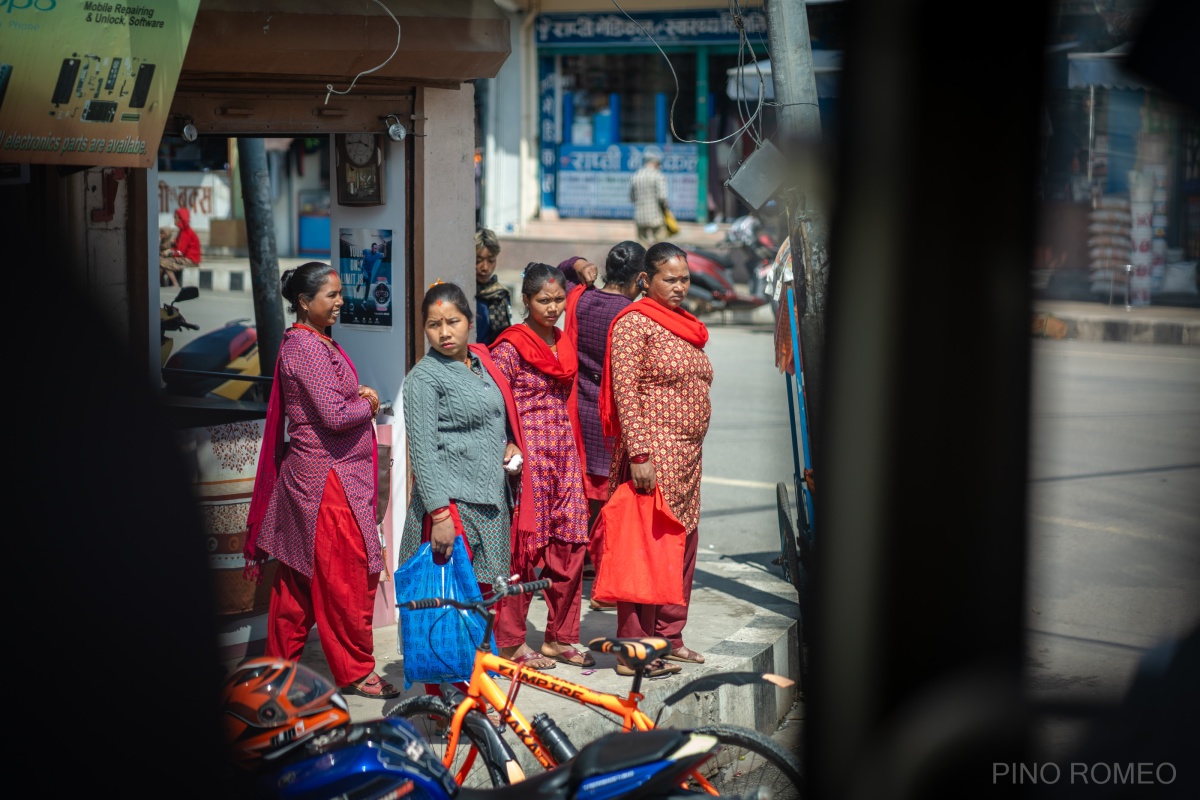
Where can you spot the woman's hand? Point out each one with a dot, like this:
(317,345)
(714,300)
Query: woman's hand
(442,535)
(511,450)
(587,273)
(371,396)
(643,476)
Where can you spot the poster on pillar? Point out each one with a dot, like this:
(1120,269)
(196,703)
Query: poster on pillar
(593,182)
(365,267)
(89,82)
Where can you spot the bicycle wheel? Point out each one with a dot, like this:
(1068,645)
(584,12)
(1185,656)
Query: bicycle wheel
(431,715)
(747,759)
(787,537)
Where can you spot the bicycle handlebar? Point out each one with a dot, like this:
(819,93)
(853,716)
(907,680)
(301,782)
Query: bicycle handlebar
(511,589)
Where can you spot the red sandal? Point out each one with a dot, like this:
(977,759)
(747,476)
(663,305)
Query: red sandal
(372,686)
(530,656)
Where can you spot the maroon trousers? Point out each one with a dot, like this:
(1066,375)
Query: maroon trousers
(638,620)
(563,565)
(339,598)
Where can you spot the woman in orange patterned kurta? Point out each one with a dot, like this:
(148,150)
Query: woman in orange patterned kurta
(658,401)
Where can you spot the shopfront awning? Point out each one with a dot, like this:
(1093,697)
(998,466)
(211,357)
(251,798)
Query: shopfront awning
(742,82)
(1105,70)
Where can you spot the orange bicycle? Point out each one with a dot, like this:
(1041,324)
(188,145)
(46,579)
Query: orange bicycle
(746,760)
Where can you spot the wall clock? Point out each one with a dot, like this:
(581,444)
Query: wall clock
(359,170)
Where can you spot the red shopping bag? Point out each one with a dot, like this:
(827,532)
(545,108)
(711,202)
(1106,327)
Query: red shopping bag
(640,546)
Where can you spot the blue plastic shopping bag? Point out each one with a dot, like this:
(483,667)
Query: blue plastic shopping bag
(438,643)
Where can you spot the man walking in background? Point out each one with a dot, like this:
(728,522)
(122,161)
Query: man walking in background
(648,193)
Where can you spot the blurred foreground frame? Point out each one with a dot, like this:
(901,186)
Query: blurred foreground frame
(917,638)
(919,576)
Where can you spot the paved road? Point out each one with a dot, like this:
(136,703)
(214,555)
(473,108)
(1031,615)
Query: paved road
(1114,503)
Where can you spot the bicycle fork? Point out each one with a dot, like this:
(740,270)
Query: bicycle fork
(497,750)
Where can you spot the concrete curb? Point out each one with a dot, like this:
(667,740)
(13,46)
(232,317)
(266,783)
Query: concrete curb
(1107,328)
(1053,319)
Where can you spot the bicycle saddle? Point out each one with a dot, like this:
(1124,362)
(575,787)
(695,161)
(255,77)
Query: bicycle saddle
(638,653)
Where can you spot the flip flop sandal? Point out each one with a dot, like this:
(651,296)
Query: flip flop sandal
(656,669)
(373,687)
(530,656)
(566,655)
(686,655)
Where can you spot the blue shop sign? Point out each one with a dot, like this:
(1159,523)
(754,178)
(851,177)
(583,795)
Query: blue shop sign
(699,26)
(593,182)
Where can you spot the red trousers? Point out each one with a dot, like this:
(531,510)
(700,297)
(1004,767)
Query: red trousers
(339,598)
(637,620)
(563,565)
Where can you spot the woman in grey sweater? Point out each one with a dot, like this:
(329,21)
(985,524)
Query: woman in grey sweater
(455,419)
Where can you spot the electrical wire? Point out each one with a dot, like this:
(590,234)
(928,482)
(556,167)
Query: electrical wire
(396,49)
(753,124)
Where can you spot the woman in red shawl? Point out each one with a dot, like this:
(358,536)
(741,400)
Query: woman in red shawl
(539,362)
(654,398)
(313,508)
(184,251)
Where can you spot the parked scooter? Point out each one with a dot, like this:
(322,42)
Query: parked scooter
(712,271)
(307,748)
(171,319)
(752,236)
(712,286)
(231,349)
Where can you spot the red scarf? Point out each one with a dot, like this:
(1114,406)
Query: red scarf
(270,458)
(570,323)
(531,348)
(571,326)
(679,322)
(525,517)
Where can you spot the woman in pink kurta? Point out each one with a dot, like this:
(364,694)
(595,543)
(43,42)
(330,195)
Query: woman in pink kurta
(313,510)
(655,399)
(540,364)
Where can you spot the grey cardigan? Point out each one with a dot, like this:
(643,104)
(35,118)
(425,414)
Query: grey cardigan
(455,422)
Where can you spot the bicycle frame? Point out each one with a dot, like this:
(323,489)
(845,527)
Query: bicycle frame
(483,691)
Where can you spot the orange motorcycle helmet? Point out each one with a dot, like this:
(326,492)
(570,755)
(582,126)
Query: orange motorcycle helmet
(272,706)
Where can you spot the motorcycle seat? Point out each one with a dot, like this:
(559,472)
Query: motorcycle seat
(608,755)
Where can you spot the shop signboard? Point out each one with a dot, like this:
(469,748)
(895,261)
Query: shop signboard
(594,181)
(637,29)
(547,128)
(206,196)
(89,82)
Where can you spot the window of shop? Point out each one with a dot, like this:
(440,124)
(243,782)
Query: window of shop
(605,95)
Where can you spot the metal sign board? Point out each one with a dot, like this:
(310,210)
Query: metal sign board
(89,82)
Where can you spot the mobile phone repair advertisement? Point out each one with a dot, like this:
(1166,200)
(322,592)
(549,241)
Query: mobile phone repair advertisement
(89,82)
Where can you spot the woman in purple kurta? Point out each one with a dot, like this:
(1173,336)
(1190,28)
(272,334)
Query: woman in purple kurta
(588,319)
(314,508)
(589,313)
